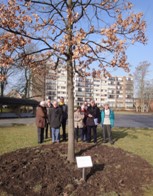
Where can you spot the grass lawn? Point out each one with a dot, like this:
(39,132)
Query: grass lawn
(16,137)
(137,141)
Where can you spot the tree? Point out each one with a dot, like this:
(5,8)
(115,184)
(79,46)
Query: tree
(3,72)
(76,34)
(148,93)
(24,67)
(140,74)
(4,69)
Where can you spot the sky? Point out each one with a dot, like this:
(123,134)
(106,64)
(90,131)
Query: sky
(138,53)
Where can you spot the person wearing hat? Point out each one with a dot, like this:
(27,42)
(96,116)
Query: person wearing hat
(41,116)
(107,121)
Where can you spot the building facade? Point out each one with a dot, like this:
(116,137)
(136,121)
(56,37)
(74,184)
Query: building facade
(118,91)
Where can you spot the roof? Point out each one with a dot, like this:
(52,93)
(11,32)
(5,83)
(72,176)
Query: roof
(18,101)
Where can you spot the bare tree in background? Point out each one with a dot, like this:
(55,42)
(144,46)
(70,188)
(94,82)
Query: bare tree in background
(141,83)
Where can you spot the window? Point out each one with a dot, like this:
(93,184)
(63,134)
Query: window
(79,89)
(80,99)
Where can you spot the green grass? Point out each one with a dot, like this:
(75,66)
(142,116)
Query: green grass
(16,137)
(137,141)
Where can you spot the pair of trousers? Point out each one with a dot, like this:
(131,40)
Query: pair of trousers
(55,134)
(84,134)
(107,132)
(64,129)
(94,128)
(40,134)
(46,131)
(78,132)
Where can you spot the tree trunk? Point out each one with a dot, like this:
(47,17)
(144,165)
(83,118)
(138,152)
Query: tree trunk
(71,150)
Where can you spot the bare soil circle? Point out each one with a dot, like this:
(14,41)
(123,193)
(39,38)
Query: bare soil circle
(45,171)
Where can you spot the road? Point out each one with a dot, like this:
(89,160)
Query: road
(121,120)
(134,120)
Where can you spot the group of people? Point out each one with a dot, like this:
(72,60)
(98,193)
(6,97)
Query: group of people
(88,116)
(54,115)
(86,119)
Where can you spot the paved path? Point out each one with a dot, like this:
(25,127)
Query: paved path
(121,120)
(134,120)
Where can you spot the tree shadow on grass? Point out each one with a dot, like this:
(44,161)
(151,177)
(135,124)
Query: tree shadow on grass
(116,134)
(119,134)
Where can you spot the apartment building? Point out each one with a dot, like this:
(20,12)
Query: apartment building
(121,91)
(118,91)
(82,90)
(56,85)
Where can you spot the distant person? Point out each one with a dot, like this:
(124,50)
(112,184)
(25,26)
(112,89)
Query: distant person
(78,123)
(93,118)
(64,108)
(48,105)
(41,115)
(55,120)
(107,121)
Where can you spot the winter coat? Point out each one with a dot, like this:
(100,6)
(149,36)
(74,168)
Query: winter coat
(111,117)
(55,117)
(64,108)
(41,116)
(95,112)
(48,108)
(78,119)
(84,111)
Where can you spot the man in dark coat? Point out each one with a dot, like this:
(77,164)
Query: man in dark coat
(64,108)
(55,120)
(93,118)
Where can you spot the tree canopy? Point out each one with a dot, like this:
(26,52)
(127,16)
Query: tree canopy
(92,32)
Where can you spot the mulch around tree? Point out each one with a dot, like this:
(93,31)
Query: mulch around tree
(45,171)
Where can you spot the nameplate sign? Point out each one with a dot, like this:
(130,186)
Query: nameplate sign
(84,161)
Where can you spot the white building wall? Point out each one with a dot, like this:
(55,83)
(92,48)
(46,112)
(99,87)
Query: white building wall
(118,91)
